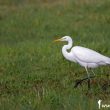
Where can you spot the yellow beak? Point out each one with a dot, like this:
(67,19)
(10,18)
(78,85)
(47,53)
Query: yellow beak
(57,40)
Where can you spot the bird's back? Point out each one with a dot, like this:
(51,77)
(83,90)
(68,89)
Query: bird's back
(89,56)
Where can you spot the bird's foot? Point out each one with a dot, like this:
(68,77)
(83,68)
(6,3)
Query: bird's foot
(80,81)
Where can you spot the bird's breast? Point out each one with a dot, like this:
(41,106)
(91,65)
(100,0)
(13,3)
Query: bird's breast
(69,56)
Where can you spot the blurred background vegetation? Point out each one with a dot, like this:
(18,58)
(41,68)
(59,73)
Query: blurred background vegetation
(33,73)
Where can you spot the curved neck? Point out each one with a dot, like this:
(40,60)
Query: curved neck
(65,53)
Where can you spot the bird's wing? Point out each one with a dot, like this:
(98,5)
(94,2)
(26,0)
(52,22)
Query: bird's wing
(88,55)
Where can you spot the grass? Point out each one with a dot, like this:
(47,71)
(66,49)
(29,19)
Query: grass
(33,73)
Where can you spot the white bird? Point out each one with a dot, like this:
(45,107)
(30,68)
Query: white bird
(85,57)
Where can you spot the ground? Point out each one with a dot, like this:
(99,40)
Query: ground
(33,73)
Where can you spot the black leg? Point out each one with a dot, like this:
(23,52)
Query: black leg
(79,82)
(88,83)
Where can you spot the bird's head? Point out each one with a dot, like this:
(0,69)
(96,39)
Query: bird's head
(65,38)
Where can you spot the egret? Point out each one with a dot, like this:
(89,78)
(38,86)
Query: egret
(86,57)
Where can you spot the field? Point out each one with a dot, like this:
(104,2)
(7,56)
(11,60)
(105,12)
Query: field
(33,73)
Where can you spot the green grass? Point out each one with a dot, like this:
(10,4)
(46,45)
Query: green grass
(33,73)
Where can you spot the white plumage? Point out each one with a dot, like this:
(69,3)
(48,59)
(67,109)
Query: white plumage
(90,57)
(85,57)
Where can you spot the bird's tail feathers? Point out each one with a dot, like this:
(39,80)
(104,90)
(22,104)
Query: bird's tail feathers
(108,61)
